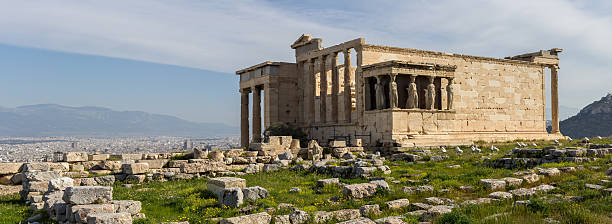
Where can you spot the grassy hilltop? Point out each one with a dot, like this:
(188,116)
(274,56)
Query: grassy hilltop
(189,200)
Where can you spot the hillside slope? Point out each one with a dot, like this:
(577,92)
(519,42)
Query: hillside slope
(593,120)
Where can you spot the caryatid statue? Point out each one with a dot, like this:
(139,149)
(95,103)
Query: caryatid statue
(393,98)
(431,94)
(450,89)
(380,96)
(413,95)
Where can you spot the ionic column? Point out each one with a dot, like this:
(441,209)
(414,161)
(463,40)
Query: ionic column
(312,87)
(348,105)
(244,118)
(300,81)
(335,87)
(256,114)
(554,98)
(323,88)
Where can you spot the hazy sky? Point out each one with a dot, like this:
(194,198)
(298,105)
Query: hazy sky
(46,46)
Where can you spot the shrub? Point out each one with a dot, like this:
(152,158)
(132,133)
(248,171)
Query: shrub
(455,217)
(538,205)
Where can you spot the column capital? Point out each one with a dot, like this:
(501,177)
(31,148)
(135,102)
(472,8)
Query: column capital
(347,51)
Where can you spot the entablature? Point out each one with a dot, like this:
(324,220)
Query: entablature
(408,68)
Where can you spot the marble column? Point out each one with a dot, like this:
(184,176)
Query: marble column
(323,88)
(312,88)
(256,114)
(348,105)
(335,87)
(554,98)
(244,118)
(300,81)
(393,97)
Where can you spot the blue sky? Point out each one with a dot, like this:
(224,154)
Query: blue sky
(178,57)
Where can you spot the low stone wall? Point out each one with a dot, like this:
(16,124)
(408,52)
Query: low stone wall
(523,157)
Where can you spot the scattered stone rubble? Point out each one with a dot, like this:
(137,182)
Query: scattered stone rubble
(66,192)
(524,158)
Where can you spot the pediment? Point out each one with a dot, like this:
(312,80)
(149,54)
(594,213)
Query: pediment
(303,40)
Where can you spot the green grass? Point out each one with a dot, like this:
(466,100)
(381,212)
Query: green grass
(13,210)
(189,200)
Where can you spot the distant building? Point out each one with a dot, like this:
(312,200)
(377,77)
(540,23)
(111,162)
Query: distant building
(74,145)
(188,144)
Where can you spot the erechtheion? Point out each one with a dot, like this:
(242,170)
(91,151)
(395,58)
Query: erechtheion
(390,96)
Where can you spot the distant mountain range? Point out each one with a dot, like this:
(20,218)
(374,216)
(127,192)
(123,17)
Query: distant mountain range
(593,120)
(58,120)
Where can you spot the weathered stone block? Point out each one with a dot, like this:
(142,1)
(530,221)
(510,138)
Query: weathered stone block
(549,172)
(135,168)
(75,157)
(511,181)
(109,218)
(136,178)
(36,186)
(51,198)
(360,190)
(42,176)
(254,193)
(200,153)
(231,197)
(299,217)
(105,180)
(127,156)
(325,182)
(216,155)
(285,156)
(127,206)
(531,178)
(361,220)
(346,214)
(60,184)
(99,157)
(216,185)
(88,195)
(258,218)
(356,142)
(154,164)
(397,204)
(233,153)
(493,184)
(500,195)
(203,166)
(367,210)
(79,213)
(337,144)
(10,168)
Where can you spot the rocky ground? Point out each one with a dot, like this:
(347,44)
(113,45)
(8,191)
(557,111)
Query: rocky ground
(513,182)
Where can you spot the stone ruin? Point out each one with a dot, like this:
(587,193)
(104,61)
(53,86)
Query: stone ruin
(48,186)
(525,158)
(66,202)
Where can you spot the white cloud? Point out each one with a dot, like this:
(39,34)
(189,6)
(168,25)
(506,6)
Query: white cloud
(228,35)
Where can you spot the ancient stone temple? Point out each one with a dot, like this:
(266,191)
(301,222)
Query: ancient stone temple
(390,96)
